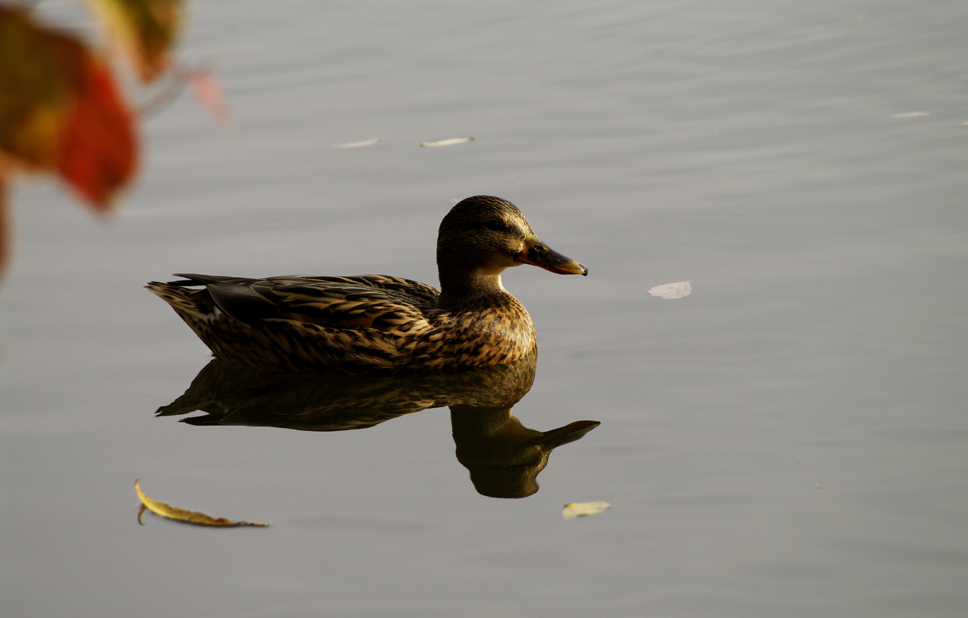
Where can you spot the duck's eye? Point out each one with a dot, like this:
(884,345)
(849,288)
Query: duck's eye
(495,226)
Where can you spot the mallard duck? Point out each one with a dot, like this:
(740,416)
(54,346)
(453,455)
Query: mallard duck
(376,323)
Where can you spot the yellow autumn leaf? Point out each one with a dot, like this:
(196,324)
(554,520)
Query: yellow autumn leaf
(581,509)
(145,30)
(191,517)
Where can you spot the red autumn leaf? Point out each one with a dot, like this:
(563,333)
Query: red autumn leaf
(99,143)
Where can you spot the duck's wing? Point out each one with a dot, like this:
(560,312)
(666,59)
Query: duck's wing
(369,301)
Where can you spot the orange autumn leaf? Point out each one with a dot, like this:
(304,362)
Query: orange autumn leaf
(144,29)
(61,110)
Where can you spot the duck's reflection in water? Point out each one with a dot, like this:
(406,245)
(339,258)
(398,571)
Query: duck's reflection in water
(503,456)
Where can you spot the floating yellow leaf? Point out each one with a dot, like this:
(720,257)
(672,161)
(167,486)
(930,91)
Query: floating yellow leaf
(447,142)
(581,509)
(672,291)
(191,517)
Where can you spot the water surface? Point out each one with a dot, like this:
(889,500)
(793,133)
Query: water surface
(789,440)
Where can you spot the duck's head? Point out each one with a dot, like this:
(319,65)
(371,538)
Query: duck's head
(483,235)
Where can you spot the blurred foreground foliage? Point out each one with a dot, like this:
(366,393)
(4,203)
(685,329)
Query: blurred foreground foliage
(61,109)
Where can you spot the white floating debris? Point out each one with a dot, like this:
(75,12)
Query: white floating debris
(911,115)
(581,509)
(672,291)
(447,142)
(364,143)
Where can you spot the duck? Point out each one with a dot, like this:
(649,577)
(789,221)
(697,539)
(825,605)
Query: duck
(373,324)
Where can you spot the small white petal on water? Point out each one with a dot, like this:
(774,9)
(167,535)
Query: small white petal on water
(447,142)
(366,142)
(672,290)
(581,509)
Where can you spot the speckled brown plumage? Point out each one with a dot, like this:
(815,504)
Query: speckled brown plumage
(376,323)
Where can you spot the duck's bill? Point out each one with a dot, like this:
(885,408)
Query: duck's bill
(541,255)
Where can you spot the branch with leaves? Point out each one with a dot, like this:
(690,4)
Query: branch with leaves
(61,110)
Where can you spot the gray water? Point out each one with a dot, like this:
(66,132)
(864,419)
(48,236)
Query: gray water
(789,440)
